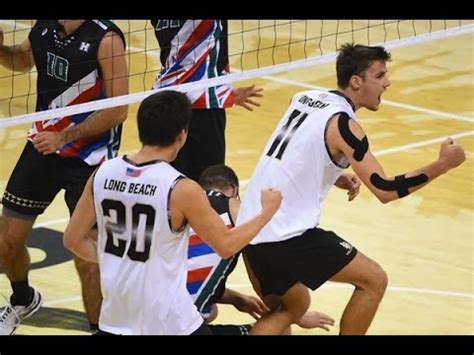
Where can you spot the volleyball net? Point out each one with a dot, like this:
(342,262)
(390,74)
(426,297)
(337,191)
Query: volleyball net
(256,48)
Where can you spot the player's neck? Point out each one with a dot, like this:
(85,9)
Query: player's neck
(69,26)
(149,153)
(351,97)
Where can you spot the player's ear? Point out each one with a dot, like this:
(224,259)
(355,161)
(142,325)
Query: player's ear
(355,82)
(236,192)
(182,136)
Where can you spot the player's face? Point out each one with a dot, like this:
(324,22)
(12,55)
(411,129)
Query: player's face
(375,82)
(65,22)
(69,25)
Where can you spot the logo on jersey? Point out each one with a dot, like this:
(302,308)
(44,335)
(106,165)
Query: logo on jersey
(84,46)
(347,246)
(45,30)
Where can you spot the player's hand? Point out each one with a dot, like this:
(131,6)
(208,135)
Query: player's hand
(251,305)
(242,96)
(349,182)
(48,142)
(312,319)
(451,153)
(271,200)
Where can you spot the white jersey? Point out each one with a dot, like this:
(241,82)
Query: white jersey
(142,261)
(296,161)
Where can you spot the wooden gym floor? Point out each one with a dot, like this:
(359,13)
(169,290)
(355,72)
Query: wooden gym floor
(424,242)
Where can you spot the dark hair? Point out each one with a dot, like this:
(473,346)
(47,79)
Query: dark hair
(162,116)
(354,59)
(219,177)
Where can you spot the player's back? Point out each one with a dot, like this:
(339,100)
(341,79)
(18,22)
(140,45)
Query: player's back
(142,261)
(194,50)
(297,162)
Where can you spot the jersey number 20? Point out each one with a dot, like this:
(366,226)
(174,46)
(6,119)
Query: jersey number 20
(117,232)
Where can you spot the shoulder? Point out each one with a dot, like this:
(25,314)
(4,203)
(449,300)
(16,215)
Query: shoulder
(185,188)
(186,196)
(218,200)
(44,23)
(111,42)
(309,93)
(41,27)
(344,126)
(309,97)
(110,163)
(106,28)
(104,25)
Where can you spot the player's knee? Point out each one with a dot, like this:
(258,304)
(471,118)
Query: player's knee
(379,281)
(298,312)
(298,304)
(15,228)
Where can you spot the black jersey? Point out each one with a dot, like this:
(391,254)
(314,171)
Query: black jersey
(207,271)
(68,74)
(220,203)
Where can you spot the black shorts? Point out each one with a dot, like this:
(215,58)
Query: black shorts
(205,145)
(311,258)
(38,178)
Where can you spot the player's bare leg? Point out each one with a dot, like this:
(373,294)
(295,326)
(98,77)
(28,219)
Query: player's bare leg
(90,285)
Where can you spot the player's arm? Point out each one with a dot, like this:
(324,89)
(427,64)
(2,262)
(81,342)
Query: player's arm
(345,135)
(189,203)
(16,58)
(76,236)
(111,56)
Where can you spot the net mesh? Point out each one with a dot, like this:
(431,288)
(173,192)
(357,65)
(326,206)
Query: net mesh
(256,48)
